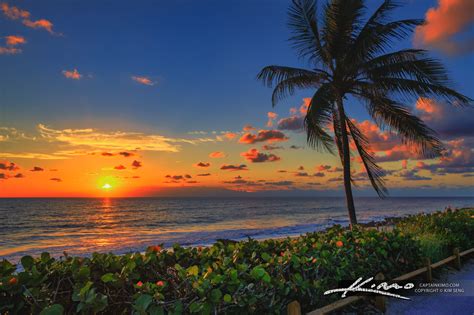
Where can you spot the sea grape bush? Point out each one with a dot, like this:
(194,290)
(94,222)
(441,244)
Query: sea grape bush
(229,277)
(443,230)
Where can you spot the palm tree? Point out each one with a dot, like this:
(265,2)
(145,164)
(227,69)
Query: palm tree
(350,56)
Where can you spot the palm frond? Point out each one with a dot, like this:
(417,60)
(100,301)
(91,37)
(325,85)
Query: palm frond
(302,20)
(318,117)
(408,64)
(377,39)
(288,87)
(288,79)
(412,89)
(412,130)
(374,172)
(342,21)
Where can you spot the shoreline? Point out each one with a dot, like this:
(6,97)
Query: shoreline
(256,234)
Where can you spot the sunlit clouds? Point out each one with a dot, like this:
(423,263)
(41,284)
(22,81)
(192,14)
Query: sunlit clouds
(15,13)
(444,23)
(72,74)
(143,80)
(12,42)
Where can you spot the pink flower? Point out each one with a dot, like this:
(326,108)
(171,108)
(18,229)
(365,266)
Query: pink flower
(139,284)
(160,283)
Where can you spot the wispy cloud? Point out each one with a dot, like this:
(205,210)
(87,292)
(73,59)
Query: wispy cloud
(67,143)
(12,41)
(15,13)
(143,80)
(72,74)
(217,155)
(231,167)
(42,23)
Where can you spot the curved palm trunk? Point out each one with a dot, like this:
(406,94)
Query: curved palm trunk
(346,164)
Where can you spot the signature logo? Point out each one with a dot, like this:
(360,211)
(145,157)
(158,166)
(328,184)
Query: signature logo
(382,288)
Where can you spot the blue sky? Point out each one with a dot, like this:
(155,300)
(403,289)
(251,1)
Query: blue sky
(204,54)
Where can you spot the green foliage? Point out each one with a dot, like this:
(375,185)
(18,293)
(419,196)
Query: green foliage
(232,278)
(440,232)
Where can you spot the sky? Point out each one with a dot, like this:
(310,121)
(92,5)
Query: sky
(160,98)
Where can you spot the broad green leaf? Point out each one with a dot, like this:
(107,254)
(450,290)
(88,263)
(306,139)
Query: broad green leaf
(27,262)
(193,270)
(55,309)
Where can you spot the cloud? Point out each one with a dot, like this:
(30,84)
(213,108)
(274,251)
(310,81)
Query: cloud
(37,169)
(126,154)
(120,167)
(267,147)
(445,24)
(143,80)
(8,166)
(136,164)
(248,128)
(322,168)
(296,120)
(115,140)
(175,177)
(396,153)
(379,140)
(296,147)
(15,13)
(230,167)
(9,51)
(19,175)
(204,174)
(447,120)
(238,182)
(123,153)
(458,159)
(411,175)
(56,179)
(271,117)
(42,23)
(14,40)
(230,135)
(29,155)
(216,155)
(180,179)
(294,123)
(72,74)
(301,174)
(319,174)
(280,183)
(202,164)
(3,176)
(264,136)
(254,156)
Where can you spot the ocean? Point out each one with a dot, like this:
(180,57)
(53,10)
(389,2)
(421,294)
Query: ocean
(80,226)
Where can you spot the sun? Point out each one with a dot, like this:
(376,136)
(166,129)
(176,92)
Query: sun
(106,186)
